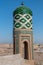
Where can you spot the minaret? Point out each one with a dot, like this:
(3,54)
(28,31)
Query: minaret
(22,32)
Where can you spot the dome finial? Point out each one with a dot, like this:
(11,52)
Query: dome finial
(22,3)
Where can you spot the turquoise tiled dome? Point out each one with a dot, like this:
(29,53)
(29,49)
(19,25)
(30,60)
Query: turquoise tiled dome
(22,18)
(22,10)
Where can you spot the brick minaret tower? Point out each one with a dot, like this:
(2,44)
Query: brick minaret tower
(23,33)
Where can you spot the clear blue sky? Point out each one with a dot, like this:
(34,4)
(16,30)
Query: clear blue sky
(6,19)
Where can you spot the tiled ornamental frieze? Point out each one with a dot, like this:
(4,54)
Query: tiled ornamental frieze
(23,21)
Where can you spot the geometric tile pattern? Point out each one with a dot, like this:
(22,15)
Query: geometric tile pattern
(23,21)
(17,25)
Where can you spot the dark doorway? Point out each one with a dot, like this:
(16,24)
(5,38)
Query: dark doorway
(25,50)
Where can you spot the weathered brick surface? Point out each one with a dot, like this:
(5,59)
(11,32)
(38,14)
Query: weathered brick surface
(12,60)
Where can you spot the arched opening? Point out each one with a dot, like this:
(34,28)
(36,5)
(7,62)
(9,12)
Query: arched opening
(25,50)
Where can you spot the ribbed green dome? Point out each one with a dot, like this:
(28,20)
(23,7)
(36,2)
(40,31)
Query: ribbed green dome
(22,10)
